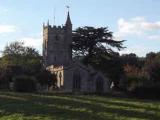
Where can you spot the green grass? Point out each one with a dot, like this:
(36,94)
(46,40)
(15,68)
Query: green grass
(20,106)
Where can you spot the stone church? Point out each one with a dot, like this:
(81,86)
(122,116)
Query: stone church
(72,76)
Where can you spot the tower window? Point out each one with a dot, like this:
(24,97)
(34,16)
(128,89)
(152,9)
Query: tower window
(57,37)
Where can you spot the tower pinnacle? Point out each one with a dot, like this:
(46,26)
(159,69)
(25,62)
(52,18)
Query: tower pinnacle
(68,22)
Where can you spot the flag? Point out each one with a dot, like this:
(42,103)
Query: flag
(67,6)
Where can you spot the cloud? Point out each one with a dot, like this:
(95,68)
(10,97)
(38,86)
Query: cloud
(154,37)
(151,26)
(135,26)
(33,42)
(7,29)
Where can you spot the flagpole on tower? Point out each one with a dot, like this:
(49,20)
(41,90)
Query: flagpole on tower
(67,5)
(54,12)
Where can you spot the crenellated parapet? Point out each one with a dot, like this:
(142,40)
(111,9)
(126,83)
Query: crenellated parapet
(54,28)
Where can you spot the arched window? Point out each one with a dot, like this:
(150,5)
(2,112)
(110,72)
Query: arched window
(76,80)
(99,84)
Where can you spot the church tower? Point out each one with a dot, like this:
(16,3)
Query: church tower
(57,42)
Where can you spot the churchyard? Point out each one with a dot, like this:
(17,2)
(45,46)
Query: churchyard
(51,106)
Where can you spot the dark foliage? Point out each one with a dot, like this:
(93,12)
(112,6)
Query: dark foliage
(24,84)
(147,91)
(16,54)
(4,84)
(18,60)
(45,77)
(132,60)
(90,41)
(142,75)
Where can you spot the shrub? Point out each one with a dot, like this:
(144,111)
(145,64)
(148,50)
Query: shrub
(4,84)
(133,81)
(150,91)
(44,77)
(24,84)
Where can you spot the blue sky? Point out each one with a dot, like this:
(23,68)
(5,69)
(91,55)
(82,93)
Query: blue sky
(137,21)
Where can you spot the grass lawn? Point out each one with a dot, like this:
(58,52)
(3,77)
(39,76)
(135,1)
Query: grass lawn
(23,106)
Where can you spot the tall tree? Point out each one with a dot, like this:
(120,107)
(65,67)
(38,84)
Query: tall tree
(90,41)
(97,47)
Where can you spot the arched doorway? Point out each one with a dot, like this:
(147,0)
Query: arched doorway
(99,85)
(76,81)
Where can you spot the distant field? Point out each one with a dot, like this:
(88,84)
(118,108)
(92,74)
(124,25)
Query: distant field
(20,106)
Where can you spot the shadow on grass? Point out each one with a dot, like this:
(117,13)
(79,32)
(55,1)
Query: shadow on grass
(67,107)
(125,102)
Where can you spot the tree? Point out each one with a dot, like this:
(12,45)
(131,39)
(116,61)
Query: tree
(14,48)
(96,46)
(45,77)
(114,69)
(132,60)
(16,54)
(18,59)
(90,41)
(154,72)
(152,66)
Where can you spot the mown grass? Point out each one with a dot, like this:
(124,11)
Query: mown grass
(20,106)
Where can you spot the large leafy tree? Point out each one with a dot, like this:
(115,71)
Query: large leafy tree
(19,60)
(90,41)
(97,47)
(16,55)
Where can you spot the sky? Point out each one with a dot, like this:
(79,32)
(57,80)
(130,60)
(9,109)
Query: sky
(136,21)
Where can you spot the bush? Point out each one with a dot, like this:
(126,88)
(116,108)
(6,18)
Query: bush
(24,84)
(4,84)
(151,92)
(44,77)
(133,81)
